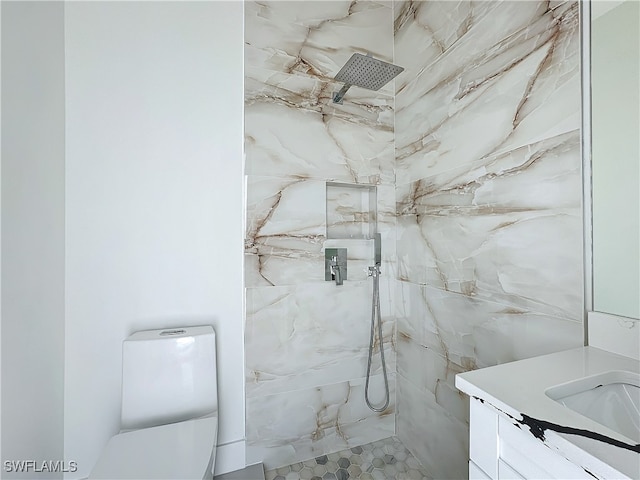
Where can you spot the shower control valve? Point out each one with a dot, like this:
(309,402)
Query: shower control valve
(335,265)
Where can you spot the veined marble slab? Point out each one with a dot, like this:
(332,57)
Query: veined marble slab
(294,426)
(545,174)
(424,31)
(307,339)
(434,436)
(436,377)
(287,227)
(465,231)
(297,135)
(489,188)
(302,336)
(284,206)
(523,259)
(316,38)
(473,333)
(490,91)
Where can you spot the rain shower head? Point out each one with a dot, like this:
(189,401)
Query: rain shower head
(366,72)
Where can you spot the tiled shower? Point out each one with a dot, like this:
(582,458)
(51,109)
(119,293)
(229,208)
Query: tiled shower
(474,153)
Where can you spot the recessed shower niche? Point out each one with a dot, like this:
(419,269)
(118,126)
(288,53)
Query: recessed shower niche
(351,224)
(351,211)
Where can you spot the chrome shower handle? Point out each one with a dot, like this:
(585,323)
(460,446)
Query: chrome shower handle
(335,265)
(335,270)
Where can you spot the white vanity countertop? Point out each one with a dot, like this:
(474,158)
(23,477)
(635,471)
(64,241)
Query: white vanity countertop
(517,390)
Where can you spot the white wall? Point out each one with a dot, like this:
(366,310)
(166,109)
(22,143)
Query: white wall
(32,233)
(615,79)
(154,199)
(1,457)
(614,333)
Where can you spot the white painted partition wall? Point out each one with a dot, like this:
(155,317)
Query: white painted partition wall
(154,199)
(32,253)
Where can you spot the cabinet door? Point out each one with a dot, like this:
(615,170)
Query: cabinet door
(475,473)
(505,472)
(531,458)
(483,438)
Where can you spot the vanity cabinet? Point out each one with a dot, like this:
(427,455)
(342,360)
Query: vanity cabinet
(507,401)
(499,449)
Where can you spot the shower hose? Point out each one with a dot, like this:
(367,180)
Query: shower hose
(375,314)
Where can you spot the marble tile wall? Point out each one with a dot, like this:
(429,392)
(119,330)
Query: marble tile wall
(488,187)
(306,339)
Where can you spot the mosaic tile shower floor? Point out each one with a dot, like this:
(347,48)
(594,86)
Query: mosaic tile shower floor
(385,459)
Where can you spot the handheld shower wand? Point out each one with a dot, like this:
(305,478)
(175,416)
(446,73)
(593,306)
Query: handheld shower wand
(377,249)
(374,272)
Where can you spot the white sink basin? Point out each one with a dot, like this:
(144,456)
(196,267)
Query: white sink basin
(611,399)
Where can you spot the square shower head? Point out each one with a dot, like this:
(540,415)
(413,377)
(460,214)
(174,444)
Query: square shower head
(367,72)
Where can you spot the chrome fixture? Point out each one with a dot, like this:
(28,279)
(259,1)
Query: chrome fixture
(374,271)
(335,265)
(366,72)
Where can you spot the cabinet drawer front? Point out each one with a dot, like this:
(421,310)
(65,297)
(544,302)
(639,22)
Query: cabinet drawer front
(531,458)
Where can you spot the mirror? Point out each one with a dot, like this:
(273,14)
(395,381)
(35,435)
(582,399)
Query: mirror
(615,113)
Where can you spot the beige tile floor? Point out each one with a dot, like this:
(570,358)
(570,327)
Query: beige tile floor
(385,459)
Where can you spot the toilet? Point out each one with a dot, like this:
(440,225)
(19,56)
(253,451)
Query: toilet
(169,420)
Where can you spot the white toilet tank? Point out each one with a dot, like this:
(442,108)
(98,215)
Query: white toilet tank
(168,376)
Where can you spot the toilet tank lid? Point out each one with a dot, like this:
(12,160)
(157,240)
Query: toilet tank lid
(176,332)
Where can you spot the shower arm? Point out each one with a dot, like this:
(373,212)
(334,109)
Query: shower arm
(339,95)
